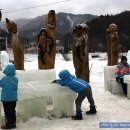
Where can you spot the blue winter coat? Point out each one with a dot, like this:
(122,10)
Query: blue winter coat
(9,84)
(76,84)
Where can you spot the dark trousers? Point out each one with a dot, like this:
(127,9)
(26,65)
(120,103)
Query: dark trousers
(124,86)
(9,111)
(82,95)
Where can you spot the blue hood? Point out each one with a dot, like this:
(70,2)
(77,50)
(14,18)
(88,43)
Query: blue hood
(9,70)
(65,74)
(76,84)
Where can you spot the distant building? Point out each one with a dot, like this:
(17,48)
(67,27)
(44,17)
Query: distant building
(59,47)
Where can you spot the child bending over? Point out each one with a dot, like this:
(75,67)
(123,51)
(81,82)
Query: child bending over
(79,86)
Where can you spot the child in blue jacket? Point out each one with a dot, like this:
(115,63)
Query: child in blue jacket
(9,85)
(79,86)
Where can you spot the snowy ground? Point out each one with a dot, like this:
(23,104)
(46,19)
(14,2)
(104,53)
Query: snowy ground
(110,108)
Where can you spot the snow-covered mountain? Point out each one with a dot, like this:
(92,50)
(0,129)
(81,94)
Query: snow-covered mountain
(29,28)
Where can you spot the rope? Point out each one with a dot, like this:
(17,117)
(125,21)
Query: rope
(36,6)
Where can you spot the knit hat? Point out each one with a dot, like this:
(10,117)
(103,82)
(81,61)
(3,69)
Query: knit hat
(123,58)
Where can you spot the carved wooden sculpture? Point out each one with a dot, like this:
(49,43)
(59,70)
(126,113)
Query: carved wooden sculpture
(18,50)
(47,43)
(112,45)
(80,51)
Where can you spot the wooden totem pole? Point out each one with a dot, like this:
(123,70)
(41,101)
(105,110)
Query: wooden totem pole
(80,52)
(112,45)
(47,43)
(18,49)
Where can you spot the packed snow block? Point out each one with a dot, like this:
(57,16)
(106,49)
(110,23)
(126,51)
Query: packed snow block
(109,74)
(29,105)
(115,87)
(127,80)
(110,82)
(63,105)
(62,98)
(23,109)
(29,108)
(41,89)
(41,75)
(4,59)
(39,107)
(25,102)
(36,75)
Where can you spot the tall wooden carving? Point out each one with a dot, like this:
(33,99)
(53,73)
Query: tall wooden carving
(47,43)
(18,50)
(112,45)
(80,51)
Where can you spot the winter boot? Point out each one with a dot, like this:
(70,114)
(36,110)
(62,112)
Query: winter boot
(11,126)
(6,124)
(92,110)
(6,127)
(78,116)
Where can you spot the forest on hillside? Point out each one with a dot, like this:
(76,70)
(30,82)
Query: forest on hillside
(97,31)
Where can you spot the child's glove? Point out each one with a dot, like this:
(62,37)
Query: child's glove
(54,81)
(117,79)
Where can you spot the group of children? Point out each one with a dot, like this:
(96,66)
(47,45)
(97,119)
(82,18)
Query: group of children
(9,85)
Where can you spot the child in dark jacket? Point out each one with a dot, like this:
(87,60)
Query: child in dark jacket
(79,86)
(9,85)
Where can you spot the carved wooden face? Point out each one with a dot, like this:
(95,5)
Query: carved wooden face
(11,26)
(85,27)
(43,38)
(52,19)
(79,32)
(112,28)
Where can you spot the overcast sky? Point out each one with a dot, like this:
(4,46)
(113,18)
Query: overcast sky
(95,7)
